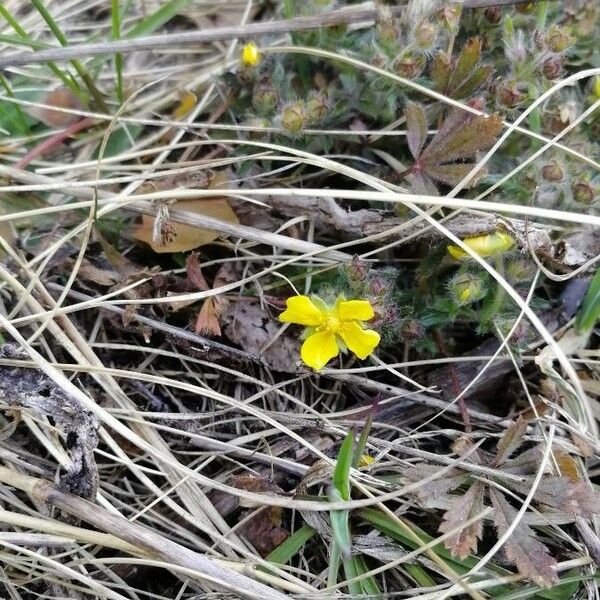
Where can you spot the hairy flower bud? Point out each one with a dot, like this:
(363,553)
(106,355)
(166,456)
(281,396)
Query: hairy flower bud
(466,287)
(553,172)
(557,39)
(552,68)
(409,66)
(509,94)
(583,192)
(293,117)
(493,14)
(264,98)
(317,108)
(425,34)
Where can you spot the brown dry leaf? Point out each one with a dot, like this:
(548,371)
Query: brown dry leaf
(183,238)
(194,272)
(465,507)
(522,548)
(247,324)
(207,321)
(264,530)
(567,465)
(511,440)
(432,492)
(94,274)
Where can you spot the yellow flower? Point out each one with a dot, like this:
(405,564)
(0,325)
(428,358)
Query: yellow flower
(331,329)
(484,245)
(250,55)
(366,460)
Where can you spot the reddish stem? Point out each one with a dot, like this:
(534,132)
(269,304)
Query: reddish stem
(54,140)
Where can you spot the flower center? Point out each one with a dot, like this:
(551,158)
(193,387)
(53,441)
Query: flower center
(332,323)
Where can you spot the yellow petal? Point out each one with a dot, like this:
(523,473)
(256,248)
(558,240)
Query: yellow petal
(361,341)
(302,310)
(319,348)
(355,309)
(250,55)
(484,245)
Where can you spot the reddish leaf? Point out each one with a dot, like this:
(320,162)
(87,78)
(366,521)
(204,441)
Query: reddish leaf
(452,173)
(465,507)
(194,272)
(416,127)
(460,140)
(522,548)
(511,440)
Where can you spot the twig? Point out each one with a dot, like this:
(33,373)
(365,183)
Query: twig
(176,333)
(488,3)
(352,14)
(139,536)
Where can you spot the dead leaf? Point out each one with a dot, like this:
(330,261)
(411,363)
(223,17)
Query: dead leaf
(194,272)
(511,440)
(522,548)
(567,465)
(465,507)
(247,324)
(263,530)
(433,491)
(183,238)
(207,321)
(94,274)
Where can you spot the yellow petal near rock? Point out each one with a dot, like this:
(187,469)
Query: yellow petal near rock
(184,236)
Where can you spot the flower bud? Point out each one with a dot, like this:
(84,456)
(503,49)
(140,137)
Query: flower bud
(493,14)
(387,27)
(510,95)
(317,108)
(264,99)
(553,172)
(412,330)
(424,35)
(409,66)
(293,117)
(557,39)
(552,68)
(583,192)
(520,270)
(449,17)
(466,287)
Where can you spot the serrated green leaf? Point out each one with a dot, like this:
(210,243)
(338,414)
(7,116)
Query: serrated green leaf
(589,313)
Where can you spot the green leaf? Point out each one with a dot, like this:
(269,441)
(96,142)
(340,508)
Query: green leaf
(589,313)
(158,18)
(341,473)
(292,545)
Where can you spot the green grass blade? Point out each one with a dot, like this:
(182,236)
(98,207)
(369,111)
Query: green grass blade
(26,40)
(158,18)
(18,121)
(288,549)
(341,473)
(77,65)
(116,35)
(589,313)
(351,571)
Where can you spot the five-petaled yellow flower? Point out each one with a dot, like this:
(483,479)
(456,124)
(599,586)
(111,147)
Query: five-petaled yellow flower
(250,55)
(331,329)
